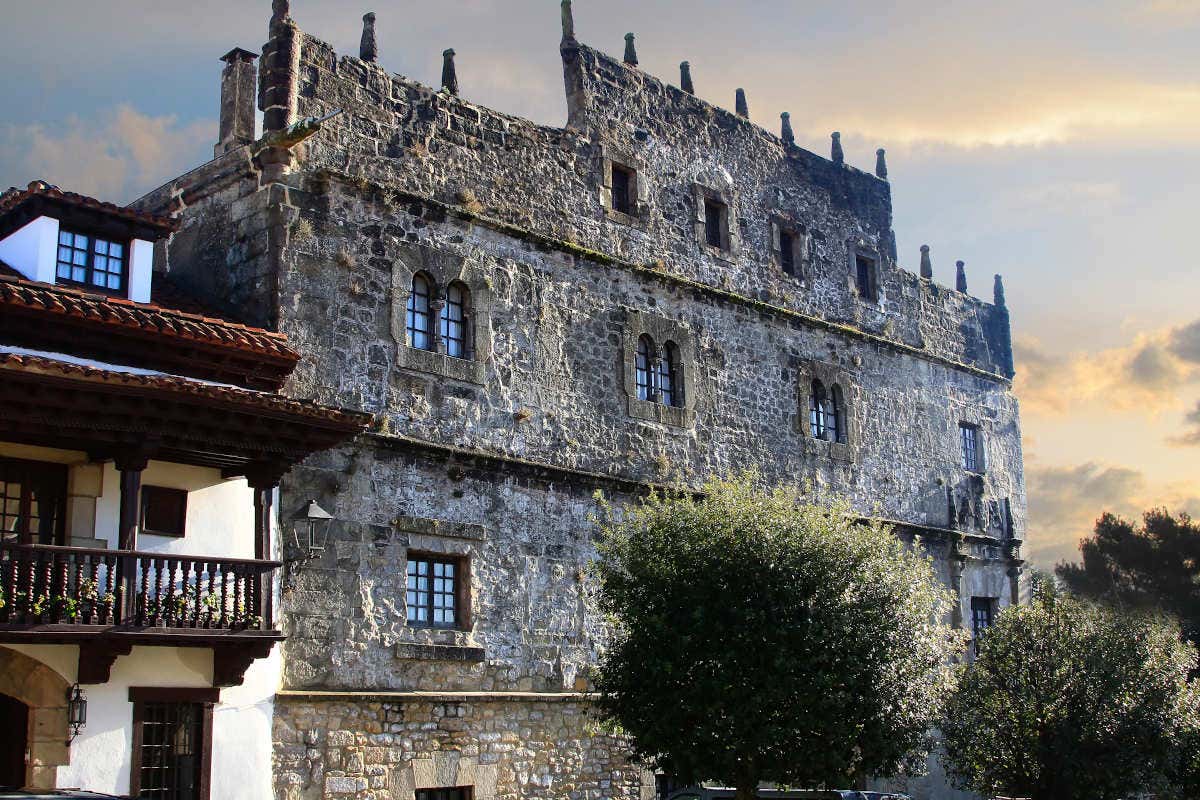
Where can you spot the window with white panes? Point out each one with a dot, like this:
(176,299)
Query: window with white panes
(91,261)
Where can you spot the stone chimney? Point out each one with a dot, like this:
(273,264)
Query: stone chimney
(237,101)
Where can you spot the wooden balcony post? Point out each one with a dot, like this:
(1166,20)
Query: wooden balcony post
(130,465)
(263,481)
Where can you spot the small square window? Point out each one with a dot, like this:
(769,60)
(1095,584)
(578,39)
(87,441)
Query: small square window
(91,261)
(624,189)
(715,213)
(164,511)
(971,441)
(435,590)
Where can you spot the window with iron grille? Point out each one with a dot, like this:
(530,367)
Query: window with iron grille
(825,413)
(454,321)
(33,497)
(645,381)
(666,376)
(983,615)
(456,793)
(970,439)
(624,183)
(91,261)
(420,333)
(714,222)
(172,743)
(434,586)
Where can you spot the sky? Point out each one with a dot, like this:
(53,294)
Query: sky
(1057,144)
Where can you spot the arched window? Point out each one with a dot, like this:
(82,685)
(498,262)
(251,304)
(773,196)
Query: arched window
(420,331)
(645,357)
(823,412)
(454,320)
(666,376)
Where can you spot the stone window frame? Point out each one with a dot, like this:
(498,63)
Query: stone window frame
(856,249)
(442,269)
(610,156)
(975,419)
(442,769)
(831,376)
(464,543)
(731,245)
(661,330)
(801,245)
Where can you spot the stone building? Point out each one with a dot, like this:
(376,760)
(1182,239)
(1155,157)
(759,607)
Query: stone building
(657,292)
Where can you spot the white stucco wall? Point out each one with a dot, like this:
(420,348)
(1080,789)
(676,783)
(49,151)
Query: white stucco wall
(220,521)
(101,755)
(220,513)
(31,249)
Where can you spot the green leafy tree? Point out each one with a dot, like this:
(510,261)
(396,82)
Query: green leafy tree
(1068,700)
(757,638)
(1156,565)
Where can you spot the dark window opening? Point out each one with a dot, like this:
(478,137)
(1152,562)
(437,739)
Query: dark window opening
(983,616)
(91,261)
(670,389)
(825,413)
(787,252)
(434,591)
(864,279)
(624,189)
(970,440)
(456,793)
(714,223)
(454,321)
(164,511)
(420,334)
(33,502)
(172,743)
(645,383)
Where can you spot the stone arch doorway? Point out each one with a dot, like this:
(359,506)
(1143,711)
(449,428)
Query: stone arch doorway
(14,721)
(42,694)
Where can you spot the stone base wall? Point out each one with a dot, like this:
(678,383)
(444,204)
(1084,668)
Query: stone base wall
(385,747)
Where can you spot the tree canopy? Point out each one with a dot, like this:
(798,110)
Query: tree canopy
(756,637)
(1156,565)
(1072,701)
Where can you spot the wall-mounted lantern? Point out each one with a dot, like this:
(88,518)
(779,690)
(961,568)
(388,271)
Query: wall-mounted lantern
(310,528)
(76,711)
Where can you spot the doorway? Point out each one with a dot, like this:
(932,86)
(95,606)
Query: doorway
(14,722)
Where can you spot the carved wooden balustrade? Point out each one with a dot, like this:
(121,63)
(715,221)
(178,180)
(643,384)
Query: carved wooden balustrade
(45,585)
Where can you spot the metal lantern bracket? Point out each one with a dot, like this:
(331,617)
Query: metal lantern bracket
(310,528)
(76,711)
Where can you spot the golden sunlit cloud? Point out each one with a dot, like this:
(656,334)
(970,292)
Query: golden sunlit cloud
(1065,502)
(1148,374)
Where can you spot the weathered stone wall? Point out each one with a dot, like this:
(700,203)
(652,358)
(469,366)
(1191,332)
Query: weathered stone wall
(495,458)
(386,747)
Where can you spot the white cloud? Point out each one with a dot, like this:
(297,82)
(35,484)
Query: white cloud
(117,156)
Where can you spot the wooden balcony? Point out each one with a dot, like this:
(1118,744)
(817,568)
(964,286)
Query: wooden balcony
(107,601)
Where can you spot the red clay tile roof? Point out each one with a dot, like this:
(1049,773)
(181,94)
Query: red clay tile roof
(14,198)
(270,402)
(159,320)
